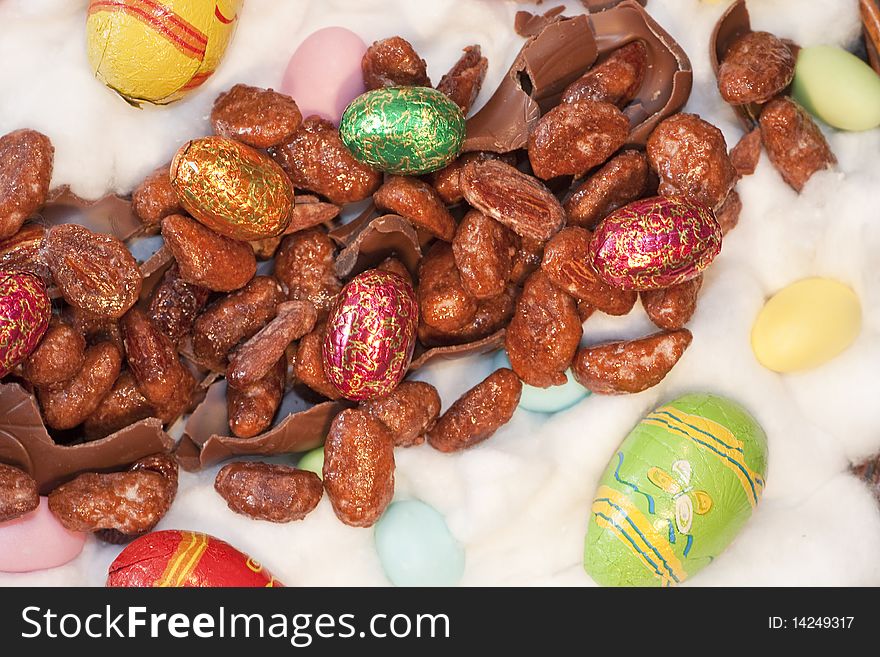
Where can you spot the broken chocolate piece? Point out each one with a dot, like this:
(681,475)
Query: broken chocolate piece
(373,240)
(109,214)
(25,443)
(733,24)
(310,211)
(561,53)
(206,441)
(157,263)
(424,356)
(547,63)
(527,24)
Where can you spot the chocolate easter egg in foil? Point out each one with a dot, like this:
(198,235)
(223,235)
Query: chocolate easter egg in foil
(25,310)
(403,130)
(232,189)
(174,558)
(156,52)
(371,333)
(655,243)
(676,493)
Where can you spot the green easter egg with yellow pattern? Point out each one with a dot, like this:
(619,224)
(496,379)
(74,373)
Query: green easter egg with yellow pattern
(403,130)
(676,493)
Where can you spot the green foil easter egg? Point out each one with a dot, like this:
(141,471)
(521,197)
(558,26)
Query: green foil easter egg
(403,130)
(676,493)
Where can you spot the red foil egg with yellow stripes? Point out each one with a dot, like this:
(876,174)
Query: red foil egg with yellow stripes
(174,558)
(371,333)
(25,310)
(655,243)
(157,51)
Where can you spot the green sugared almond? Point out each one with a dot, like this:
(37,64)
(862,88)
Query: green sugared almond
(837,87)
(403,130)
(676,493)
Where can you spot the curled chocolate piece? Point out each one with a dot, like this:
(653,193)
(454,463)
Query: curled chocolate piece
(527,24)
(669,77)
(25,443)
(602,5)
(345,233)
(563,51)
(547,63)
(424,356)
(206,438)
(110,214)
(373,240)
(310,211)
(153,268)
(733,24)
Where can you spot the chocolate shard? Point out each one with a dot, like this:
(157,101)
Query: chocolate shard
(156,264)
(373,240)
(562,52)
(669,78)
(206,438)
(424,356)
(548,62)
(527,24)
(602,5)
(733,24)
(344,234)
(310,211)
(110,214)
(25,443)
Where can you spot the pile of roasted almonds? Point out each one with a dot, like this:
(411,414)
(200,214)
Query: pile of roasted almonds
(505,238)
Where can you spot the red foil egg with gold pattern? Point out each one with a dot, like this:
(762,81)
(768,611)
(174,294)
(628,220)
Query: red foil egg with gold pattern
(173,558)
(25,310)
(371,333)
(655,243)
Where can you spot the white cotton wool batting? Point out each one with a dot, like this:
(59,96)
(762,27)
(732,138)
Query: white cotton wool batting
(519,502)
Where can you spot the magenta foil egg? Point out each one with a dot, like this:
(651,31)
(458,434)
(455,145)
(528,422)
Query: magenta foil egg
(371,332)
(655,243)
(25,310)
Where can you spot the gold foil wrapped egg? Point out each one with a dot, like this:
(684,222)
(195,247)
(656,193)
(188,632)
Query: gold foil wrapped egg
(156,51)
(232,189)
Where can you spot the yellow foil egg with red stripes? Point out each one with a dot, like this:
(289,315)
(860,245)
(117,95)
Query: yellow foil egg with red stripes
(156,51)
